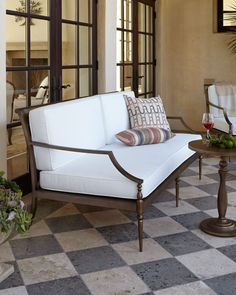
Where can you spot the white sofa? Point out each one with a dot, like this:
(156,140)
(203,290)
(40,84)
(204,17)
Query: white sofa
(97,169)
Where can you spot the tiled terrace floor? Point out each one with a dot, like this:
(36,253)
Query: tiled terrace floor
(83,250)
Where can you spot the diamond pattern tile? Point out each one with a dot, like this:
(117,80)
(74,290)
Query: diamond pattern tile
(78,249)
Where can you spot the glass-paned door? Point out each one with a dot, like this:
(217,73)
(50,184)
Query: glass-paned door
(51,54)
(136,46)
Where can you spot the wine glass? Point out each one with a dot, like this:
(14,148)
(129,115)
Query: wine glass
(208,123)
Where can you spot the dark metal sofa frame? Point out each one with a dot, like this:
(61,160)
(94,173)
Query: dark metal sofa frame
(101,201)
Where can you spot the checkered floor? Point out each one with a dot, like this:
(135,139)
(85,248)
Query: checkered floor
(86,250)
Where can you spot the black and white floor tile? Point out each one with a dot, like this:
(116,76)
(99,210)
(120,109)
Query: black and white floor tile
(72,249)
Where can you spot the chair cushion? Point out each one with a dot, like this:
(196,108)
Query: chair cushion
(221,124)
(147,112)
(96,175)
(141,136)
(77,123)
(115,114)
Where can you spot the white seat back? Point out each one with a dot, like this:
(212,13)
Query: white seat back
(116,117)
(77,123)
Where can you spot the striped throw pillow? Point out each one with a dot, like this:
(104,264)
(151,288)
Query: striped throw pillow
(141,136)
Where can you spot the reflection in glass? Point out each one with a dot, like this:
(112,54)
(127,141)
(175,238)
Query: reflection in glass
(39,7)
(85,45)
(39,82)
(16,81)
(39,43)
(149,48)
(69,77)
(69,44)
(15,43)
(149,78)
(141,79)
(229,5)
(85,82)
(69,9)
(128,77)
(16,5)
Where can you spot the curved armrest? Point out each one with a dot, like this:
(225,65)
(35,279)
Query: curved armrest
(110,154)
(189,129)
(224,113)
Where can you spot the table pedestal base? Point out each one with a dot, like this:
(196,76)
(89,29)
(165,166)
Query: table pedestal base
(219,227)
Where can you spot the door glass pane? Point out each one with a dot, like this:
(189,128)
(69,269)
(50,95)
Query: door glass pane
(17,161)
(85,82)
(69,79)
(119,78)
(84,45)
(149,48)
(128,14)
(16,94)
(127,47)
(119,13)
(128,78)
(119,46)
(84,11)
(141,17)
(149,19)
(15,42)
(16,5)
(141,45)
(39,42)
(39,7)
(229,5)
(69,9)
(39,87)
(69,44)
(141,79)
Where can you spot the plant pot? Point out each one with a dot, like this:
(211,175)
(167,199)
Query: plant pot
(5,269)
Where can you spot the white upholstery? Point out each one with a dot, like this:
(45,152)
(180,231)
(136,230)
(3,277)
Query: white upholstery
(115,114)
(213,98)
(95,174)
(41,91)
(229,104)
(221,124)
(77,123)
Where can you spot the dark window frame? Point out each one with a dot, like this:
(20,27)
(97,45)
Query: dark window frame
(220,18)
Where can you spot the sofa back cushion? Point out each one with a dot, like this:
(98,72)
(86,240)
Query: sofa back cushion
(77,123)
(116,118)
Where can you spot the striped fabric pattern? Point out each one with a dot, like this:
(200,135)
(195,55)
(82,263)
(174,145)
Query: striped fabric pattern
(141,136)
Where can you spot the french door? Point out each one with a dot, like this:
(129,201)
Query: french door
(51,55)
(136,46)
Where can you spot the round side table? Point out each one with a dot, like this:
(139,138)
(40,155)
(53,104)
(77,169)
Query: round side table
(221,226)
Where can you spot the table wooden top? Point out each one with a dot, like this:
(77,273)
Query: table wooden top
(200,147)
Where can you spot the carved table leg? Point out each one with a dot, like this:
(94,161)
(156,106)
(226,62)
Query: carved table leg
(220,226)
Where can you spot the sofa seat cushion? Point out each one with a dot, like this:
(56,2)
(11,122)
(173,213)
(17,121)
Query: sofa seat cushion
(221,124)
(96,175)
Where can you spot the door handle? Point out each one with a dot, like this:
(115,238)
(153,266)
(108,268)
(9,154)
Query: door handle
(65,86)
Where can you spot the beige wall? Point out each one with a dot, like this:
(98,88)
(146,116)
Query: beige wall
(189,52)
(2,89)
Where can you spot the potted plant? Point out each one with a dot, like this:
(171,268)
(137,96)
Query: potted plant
(13,216)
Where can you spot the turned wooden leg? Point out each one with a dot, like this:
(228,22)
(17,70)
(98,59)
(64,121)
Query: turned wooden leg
(140,217)
(200,166)
(222,194)
(177,180)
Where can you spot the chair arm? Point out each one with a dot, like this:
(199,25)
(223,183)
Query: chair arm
(189,129)
(110,154)
(224,113)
